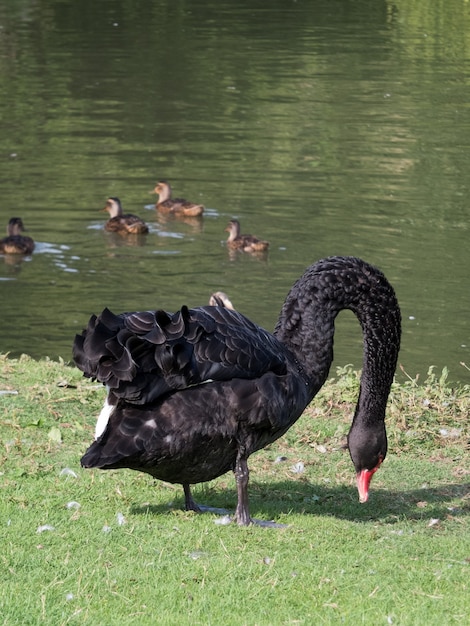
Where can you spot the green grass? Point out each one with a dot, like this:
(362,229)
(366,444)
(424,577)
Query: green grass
(403,558)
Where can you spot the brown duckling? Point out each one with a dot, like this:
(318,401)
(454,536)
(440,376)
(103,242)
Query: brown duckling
(15,242)
(123,223)
(176,206)
(220,298)
(246,243)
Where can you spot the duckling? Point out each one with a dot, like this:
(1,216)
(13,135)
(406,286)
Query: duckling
(15,242)
(176,206)
(123,223)
(220,298)
(246,243)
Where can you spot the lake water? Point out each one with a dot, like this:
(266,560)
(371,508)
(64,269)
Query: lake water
(332,127)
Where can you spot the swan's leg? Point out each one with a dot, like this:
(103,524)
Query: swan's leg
(242,473)
(189,503)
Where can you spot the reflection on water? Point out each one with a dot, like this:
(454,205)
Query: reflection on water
(328,132)
(195,223)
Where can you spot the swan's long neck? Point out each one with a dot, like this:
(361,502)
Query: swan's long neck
(306,325)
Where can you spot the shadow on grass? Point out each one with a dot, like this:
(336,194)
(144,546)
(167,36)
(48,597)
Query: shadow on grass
(282,498)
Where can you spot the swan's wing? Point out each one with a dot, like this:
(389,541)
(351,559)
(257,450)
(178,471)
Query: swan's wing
(142,356)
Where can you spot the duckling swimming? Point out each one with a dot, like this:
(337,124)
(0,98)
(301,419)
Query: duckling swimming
(15,242)
(177,206)
(123,223)
(246,243)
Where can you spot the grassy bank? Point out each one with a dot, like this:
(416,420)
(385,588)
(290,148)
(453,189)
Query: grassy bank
(92,547)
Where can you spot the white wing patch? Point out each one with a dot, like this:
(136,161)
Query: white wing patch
(103,418)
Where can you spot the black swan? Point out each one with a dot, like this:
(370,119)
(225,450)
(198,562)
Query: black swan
(123,223)
(245,243)
(15,242)
(192,394)
(175,206)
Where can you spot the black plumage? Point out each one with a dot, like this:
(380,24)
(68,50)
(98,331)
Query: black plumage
(192,394)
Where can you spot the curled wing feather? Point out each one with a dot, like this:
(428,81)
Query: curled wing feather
(143,355)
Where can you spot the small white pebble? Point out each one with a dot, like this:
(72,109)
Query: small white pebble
(267,560)
(69,596)
(411,317)
(106,529)
(121,520)
(45,527)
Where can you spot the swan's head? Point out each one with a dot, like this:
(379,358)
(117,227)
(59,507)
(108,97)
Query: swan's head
(363,478)
(367,445)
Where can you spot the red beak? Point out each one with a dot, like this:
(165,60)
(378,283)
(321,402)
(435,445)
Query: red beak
(363,481)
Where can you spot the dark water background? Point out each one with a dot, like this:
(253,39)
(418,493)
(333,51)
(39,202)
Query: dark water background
(334,127)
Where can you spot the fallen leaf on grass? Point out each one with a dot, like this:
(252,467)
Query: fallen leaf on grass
(55,435)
